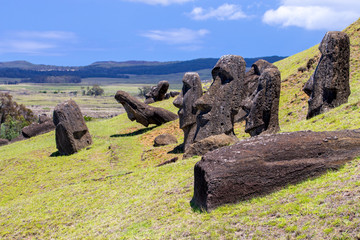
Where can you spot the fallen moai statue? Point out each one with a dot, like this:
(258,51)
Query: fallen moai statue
(191,91)
(142,112)
(329,86)
(263,164)
(71,131)
(44,125)
(157,93)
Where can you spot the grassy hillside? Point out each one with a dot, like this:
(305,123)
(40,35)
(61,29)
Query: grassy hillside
(114,191)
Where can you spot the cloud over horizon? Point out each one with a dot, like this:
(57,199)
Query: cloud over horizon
(176,36)
(223,12)
(35,42)
(314,15)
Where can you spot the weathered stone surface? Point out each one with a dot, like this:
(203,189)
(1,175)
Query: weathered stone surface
(143,113)
(158,92)
(251,84)
(149,101)
(35,129)
(263,105)
(71,131)
(191,91)
(164,139)
(266,163)
(44,118)
(3,141)
(209,144)
(219,105)
(329,86)
(174,93)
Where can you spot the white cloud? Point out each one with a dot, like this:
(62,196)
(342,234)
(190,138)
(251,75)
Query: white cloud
(176,36)
(35,42)
(161,2)
(223,12)
(59,35)
(312,15)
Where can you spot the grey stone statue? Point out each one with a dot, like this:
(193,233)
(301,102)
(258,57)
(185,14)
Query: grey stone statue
(191,91)
(329,86)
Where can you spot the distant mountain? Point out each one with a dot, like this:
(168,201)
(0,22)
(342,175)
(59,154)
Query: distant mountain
(109,69)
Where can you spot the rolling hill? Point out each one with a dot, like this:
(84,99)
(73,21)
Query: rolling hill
(114,191)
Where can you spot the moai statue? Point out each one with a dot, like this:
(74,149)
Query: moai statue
(263,105)
(329,86)
(191,91)
(71,132)
(142,113)
(219,105)
(157,93)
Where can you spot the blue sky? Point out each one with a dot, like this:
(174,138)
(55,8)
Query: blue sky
(79,32)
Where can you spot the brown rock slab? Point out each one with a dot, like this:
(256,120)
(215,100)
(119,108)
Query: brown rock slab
(164,139)
(143,113)
(35,129)
(71,132)
(329,86)
(263,164)
(209,144)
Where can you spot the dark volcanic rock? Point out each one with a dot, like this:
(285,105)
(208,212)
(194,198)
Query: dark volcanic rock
(191,91)
(164,139)
(71,131)
(263,105)
(44,118)
(174,93)
(209,144)
(329,86)
(3,141)
(143,113)
(35,129)
(219,105)
(266,163)
(158,92)
(251,84)
(149,101)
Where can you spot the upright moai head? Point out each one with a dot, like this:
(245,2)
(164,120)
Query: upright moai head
(329,86)
(191,91)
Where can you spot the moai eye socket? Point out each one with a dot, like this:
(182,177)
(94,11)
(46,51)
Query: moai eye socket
(186,87)
(225,77)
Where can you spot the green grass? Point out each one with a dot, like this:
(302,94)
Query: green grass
(114,191)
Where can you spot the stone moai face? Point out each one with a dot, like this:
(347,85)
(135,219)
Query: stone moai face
(191,91)
(221,102)
(263,105)
(329,86)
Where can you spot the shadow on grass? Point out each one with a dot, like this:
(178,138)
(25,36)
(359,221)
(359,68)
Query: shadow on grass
(55,154)
(178,149)
(137,132)
(195,208)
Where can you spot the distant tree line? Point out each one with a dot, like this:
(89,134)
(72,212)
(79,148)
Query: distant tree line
(119,72)
(53,79)
(45,76)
